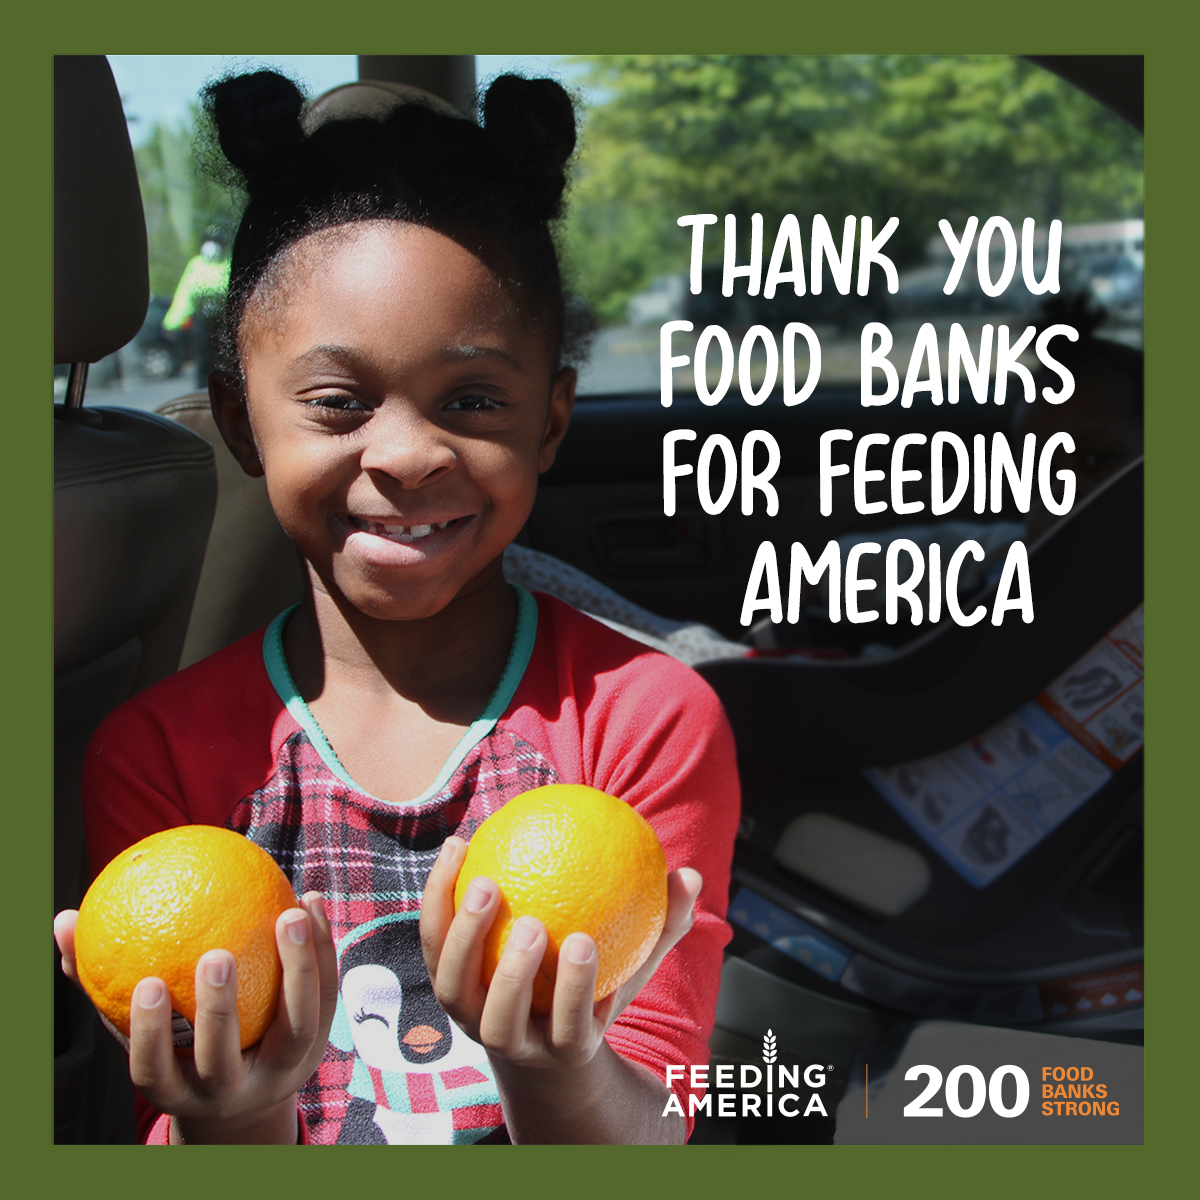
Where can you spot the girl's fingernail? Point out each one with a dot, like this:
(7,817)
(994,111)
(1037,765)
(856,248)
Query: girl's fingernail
(579,949)
(524,934)
(450,849)
(150,993)
(477,898)
(216,972)
(297,930)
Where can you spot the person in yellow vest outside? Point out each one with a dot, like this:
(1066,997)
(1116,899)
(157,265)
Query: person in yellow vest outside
(196,306)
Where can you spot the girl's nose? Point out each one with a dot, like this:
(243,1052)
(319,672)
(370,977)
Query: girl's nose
(413,452)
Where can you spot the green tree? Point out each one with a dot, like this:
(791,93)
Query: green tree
(914,137)
(180,201)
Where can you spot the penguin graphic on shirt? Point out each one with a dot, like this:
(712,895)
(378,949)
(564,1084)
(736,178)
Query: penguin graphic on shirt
(417,1077)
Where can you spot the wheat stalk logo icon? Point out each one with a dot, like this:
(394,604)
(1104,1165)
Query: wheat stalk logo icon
(769,1047)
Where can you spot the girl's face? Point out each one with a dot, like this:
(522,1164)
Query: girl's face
(401,409)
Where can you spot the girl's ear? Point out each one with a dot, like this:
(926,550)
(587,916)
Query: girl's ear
(233,420)
(562,404)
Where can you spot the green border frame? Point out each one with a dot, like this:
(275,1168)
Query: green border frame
(1044,26)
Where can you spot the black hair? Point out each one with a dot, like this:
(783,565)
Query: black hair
(496,187)
(1092,353)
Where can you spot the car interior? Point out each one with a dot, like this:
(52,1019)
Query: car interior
(165,552)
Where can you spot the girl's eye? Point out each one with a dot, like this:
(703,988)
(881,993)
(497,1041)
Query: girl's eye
(338,403)
(473,404)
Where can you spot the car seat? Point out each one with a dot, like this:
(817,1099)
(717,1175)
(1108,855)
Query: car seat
(252,571)
(1054,942)
(134,496)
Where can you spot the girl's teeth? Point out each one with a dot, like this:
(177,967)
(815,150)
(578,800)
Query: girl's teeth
(407,533)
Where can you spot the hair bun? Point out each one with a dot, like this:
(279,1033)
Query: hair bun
(257,119)
(532,124)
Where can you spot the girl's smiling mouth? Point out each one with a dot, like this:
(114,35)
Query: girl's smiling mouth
(396,532)
(381,544)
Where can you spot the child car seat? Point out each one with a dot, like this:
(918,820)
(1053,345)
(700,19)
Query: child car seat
(884,923)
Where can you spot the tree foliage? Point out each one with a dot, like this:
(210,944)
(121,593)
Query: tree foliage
(915,137)
(181,203)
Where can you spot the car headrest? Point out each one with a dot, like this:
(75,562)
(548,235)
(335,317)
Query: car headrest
(369,98)
(101,272)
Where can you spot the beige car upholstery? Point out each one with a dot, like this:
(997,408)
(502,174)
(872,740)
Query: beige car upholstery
(134,497)
(252,572)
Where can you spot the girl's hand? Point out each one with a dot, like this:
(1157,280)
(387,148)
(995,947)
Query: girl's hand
(64,935)
(224,1093)
(499,1016)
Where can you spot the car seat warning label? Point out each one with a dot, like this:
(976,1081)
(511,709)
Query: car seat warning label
(1099,700)
(985,804)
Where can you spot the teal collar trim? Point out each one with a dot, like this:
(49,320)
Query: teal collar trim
(514,670)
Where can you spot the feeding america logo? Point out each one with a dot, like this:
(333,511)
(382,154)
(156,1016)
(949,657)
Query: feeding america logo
(747,1090)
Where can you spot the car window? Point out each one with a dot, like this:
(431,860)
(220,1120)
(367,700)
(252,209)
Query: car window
(918,138)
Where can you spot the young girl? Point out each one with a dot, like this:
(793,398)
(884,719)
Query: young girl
(395,341)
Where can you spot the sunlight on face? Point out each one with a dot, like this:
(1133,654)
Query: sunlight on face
(402,409)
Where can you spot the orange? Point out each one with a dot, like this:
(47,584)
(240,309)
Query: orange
(580,861)
(160,904)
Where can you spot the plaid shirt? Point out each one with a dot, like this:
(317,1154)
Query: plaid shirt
(230,742)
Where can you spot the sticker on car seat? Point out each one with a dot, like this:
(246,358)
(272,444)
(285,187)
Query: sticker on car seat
(985,804)
(1099,700)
